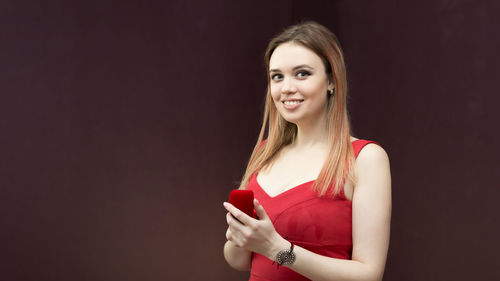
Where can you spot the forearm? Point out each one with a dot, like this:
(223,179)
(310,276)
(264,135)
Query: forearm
(237,257)
(318,267)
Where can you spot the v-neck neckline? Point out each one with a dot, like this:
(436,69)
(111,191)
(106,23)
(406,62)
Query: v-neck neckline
(283,192)
(290,189)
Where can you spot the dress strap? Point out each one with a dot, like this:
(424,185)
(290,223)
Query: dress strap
(357,145)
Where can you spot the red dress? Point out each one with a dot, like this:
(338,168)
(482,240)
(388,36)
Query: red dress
(322,225)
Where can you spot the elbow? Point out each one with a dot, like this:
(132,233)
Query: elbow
(371,273)
(239,265)
(239,260)
(375,275)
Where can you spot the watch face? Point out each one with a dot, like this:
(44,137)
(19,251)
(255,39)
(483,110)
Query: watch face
(286,257)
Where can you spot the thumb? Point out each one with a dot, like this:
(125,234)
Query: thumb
(261,213)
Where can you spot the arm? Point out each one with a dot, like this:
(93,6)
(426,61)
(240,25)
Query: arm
(371,224)
(237,257)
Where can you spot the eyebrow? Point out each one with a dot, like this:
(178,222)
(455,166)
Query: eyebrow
(295,68)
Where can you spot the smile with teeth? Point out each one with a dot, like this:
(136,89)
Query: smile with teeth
(292,102)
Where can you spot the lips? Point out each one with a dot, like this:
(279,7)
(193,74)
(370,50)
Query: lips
(292,103)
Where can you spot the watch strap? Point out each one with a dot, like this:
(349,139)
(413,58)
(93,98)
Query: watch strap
(286,256)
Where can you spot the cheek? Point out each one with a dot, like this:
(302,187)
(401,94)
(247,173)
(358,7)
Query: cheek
(313,87)
(314,90)
(275,93)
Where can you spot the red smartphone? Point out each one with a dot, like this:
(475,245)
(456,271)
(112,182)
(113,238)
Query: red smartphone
(243,200)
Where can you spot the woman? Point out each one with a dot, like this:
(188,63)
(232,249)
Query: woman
(323,197)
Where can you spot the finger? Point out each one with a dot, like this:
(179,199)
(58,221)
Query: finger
(232,221)
(234,236)
(230,217)
(259,210)
(242,217)
(235,226)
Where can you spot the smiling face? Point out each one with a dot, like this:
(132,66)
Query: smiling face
(298,83)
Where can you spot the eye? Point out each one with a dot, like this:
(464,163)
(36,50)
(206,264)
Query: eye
(276,77)
(303,74)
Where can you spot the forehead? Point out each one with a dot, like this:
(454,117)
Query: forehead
(288,55)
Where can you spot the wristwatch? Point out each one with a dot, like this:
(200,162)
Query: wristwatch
(286,256)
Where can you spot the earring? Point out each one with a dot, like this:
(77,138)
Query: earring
(331,92)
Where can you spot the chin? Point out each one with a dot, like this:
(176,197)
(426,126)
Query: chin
(291,119)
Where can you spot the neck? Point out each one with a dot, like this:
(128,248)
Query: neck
(313,133)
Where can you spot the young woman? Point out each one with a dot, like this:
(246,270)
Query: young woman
(323,197)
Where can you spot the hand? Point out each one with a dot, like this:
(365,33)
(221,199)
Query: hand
(254,235)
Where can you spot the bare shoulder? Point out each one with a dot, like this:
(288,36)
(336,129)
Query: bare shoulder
(372,166)
(372,154)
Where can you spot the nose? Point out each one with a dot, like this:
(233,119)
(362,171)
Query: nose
(287,86)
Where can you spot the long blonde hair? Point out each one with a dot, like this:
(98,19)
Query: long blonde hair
(336,169)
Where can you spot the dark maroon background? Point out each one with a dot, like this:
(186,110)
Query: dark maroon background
(125,124)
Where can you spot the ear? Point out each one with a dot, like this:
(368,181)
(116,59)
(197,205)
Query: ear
(331,85)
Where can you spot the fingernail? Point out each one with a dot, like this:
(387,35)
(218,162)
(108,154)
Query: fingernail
(224,204)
